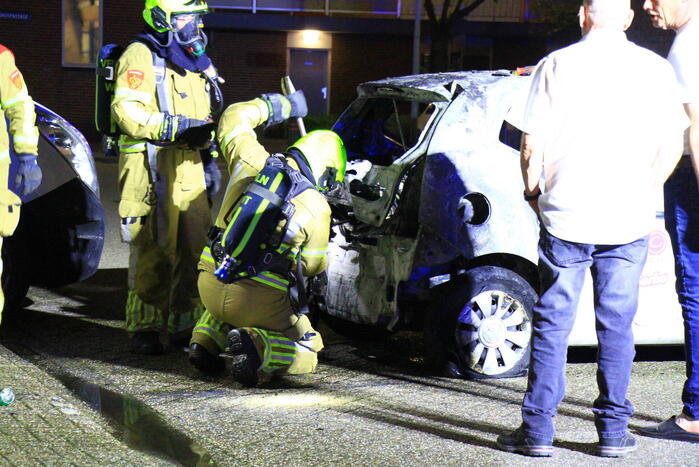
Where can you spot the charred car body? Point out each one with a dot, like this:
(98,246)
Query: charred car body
(434,227)
(60,234)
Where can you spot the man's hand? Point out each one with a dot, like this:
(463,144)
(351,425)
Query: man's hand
(28,175)
(534,204)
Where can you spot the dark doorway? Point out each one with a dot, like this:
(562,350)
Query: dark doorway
(308,69)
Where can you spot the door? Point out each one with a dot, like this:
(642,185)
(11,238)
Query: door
(308,69)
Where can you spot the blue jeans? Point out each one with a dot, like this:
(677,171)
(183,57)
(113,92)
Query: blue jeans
(616,270)
(682,223)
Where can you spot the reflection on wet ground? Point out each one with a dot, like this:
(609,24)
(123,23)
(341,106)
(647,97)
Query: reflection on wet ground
(137,425)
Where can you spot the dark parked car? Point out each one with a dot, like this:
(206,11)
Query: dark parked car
(60,234)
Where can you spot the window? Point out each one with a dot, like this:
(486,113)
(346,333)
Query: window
(82,32)
(380,130)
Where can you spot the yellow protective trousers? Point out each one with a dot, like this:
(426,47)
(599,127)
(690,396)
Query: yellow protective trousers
(165,251)
(286,343)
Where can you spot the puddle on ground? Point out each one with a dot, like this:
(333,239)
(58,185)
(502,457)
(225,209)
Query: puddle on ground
(139,426)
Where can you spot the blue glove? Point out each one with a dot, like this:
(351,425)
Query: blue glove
(212,177)
(28,175)
(299,107)
(282,107)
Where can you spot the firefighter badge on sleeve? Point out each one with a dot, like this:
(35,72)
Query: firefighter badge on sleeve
(16,78)
(135,78)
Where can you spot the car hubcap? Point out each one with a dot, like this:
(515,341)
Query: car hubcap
(493,332)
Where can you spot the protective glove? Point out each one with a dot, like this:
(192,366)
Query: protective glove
(28,175)
(193,132)
(212,177)
(196,134)
(299,107)
(282,107)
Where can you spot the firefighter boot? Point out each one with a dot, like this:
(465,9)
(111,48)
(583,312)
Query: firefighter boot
(146,343)
(202,360)
(246,360)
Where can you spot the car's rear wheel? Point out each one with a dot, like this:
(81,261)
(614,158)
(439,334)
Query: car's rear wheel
(483,328)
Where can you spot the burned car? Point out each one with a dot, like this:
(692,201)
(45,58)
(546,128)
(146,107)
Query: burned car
(60,234)
(432,227)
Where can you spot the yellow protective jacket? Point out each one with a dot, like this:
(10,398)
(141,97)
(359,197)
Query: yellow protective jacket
(135,105)
(136,110)
(309,228)
(18,107)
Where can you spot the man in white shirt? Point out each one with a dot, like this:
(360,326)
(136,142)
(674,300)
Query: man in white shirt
(603,145)
(682,206)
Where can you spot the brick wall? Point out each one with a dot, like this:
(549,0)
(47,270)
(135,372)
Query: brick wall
(352,63)
(251,62)
(36,45)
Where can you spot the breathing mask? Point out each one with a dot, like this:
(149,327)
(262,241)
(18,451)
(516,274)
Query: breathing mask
(188,32)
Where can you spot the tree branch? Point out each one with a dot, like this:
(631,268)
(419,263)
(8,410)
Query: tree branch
(429,8)
(445,11)
(467,10)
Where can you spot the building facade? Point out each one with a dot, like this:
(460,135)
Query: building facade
(327,46)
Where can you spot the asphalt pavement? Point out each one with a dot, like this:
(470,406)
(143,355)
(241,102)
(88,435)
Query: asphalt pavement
(83,399)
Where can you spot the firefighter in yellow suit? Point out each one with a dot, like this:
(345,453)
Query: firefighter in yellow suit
(253,319)
(162,107)
(17,106)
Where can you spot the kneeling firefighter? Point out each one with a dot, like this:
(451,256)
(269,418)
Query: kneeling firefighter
(162,107)
(249,313)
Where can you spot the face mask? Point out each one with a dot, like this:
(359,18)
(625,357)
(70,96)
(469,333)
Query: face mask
(191,38)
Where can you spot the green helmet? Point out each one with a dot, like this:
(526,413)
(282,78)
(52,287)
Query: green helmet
(325,155)
(159,14)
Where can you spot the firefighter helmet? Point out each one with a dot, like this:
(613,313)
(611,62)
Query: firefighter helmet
(325,155)
(161,14)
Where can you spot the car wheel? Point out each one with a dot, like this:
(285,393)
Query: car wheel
(483,328)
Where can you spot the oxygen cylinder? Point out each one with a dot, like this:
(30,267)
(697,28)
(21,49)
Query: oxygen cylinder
(106,83)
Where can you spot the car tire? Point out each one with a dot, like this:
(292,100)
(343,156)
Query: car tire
(481,328)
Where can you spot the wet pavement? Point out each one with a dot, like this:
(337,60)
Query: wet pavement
(83,399)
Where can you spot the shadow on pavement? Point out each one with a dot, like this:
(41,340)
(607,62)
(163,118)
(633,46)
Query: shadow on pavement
(87,323)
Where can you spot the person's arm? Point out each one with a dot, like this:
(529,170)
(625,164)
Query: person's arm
(134,105)
(535,122)
(236,134)
(17,105)
(531,162)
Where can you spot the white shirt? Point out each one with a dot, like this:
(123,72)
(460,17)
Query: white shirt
(684,57)
(600,109)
